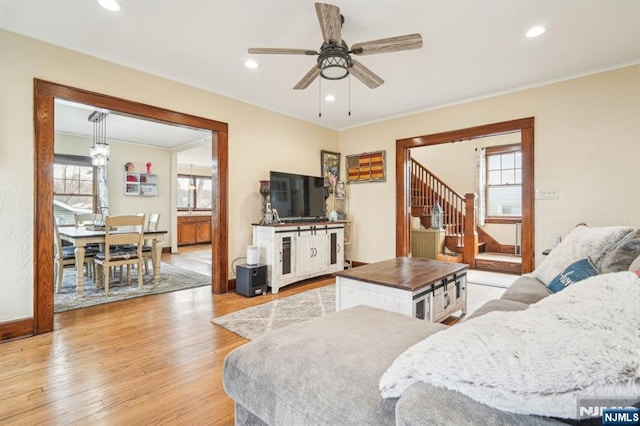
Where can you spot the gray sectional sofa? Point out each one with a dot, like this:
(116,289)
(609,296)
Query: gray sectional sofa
(327,371)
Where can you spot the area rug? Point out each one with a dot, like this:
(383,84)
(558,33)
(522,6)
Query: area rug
(491,279)
(171,279)
(255,321)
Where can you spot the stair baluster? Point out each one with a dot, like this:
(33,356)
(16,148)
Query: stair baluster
(459,211)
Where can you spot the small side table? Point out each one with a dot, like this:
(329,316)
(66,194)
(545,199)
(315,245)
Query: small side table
(427,243)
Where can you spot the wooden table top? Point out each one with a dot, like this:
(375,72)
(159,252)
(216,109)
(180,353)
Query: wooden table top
(406,273)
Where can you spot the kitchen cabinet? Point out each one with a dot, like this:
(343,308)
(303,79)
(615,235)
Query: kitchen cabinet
(194,230)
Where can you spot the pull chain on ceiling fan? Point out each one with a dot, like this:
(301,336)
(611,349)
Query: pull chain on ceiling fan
(334,60)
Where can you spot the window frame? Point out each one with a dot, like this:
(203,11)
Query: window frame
(498,150)
(83,161)
(193,179)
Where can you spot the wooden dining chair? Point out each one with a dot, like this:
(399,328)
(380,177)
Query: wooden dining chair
(66,256)
(147,247)
(84,219)
(122,246)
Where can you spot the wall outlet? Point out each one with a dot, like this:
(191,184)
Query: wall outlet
(548,194)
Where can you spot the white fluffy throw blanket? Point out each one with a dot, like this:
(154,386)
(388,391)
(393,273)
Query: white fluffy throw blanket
(583,342)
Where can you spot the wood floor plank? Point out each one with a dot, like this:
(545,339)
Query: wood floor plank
(149,360)
(156,359)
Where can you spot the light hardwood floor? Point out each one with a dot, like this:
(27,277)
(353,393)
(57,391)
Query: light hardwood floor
(156,359)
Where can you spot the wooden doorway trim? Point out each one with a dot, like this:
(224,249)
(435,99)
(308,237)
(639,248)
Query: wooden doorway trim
(403,179)
(45,94)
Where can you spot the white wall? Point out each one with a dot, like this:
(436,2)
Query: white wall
(259,140)
(587,133)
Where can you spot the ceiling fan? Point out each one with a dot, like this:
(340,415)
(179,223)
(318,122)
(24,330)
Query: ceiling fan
(334,58)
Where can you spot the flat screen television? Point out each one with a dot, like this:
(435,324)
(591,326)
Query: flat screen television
(297,197)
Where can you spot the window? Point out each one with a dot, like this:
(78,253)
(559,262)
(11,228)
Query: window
(194,193)
(504,182)
(74,189)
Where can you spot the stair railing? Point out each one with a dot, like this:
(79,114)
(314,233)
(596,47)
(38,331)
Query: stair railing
(459,210)
(427,188)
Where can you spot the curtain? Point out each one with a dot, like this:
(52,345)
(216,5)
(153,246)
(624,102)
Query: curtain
(481,177)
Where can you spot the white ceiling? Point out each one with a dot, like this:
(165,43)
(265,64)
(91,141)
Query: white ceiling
(193,146)
(471,48)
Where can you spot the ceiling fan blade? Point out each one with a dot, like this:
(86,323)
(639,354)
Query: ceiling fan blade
(308,78)
(279,51)
(330,22)
(365,75)
(391,44)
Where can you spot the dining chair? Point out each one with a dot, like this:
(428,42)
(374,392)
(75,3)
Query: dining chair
(66,256)
(122,246)
(147,246)
(84,219)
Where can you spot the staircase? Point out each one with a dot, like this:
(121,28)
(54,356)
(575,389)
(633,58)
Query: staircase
(459,219)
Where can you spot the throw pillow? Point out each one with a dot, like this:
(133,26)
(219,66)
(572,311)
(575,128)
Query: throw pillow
(635,265)
(580,243)
(573,273)
(620,258)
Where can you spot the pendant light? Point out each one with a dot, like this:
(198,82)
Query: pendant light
(99,152)
(192,185)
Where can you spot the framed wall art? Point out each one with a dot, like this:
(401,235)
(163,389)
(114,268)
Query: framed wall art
(330,166)
(366,167)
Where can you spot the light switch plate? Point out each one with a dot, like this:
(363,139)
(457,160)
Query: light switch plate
(548,194)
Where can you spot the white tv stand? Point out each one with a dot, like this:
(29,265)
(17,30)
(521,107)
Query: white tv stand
(298,251)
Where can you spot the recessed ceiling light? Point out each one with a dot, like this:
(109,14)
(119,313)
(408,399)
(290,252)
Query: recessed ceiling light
(329,98)
(250,63)
(536,31)
(111,5)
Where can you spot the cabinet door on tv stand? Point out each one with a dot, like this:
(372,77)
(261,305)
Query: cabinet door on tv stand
(284,261)
(304,254)
(311,250)
(335,256)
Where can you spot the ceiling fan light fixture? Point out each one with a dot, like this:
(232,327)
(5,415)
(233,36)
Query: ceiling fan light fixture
(334,67)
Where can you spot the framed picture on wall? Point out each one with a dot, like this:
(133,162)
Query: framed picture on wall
(366,167)
(330,166)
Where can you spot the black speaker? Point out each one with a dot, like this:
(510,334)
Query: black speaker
(251,280)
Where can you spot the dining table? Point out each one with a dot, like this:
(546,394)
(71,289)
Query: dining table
(81,236)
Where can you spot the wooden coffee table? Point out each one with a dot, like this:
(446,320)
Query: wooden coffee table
(420,288)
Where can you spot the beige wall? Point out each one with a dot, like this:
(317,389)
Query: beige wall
(258,140)
(587,133)
(587,145)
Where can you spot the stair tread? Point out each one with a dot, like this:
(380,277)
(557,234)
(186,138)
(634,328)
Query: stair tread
(499,257)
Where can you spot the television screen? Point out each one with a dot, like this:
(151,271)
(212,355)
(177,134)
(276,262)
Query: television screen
(297,196)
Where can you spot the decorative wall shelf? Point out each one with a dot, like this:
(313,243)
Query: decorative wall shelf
(140,184)
(366,167)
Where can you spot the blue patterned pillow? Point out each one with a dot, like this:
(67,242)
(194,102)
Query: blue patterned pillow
(573,273)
